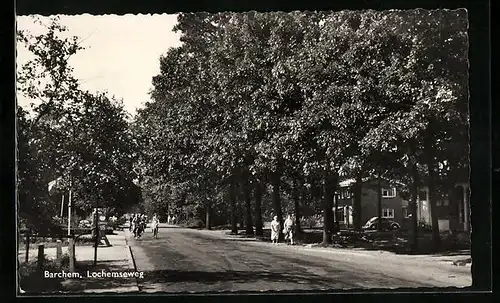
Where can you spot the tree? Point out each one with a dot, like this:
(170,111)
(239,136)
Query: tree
(278,98)
(46,79)
(80,137)
(428,93)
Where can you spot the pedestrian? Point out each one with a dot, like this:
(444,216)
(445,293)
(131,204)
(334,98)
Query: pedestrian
(173,220)
(135,224)
(130,222)
(140,225)
(275,230)
(154,224)
(144,221)
(288,229)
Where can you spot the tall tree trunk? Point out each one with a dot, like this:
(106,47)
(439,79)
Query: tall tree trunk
(241,213)
(413,208)
(432,178)
(232,198)
(328,194)
(296,201)
(248,206)
(208,214)
(275,179)
(258,209)
(379,204)
(335,212)
(356,214)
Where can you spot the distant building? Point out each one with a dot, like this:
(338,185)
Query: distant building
(394,207)
(453,212)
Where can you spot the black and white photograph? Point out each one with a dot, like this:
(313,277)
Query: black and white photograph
(252,152)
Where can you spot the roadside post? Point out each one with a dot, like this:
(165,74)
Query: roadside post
(71,250)
(41,257)
(96,234)
(28,236)
(59,252)
(102,231)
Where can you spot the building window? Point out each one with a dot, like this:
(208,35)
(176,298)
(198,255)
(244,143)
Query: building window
(406,213)
(388,213)
(389,192)
(340,215)
(348,193)
(345,194)
(422,195)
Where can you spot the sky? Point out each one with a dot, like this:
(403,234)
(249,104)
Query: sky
(121,53)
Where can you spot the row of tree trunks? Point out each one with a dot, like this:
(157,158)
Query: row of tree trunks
(330,203)
(247,198)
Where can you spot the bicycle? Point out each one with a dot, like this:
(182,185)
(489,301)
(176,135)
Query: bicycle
(155,232)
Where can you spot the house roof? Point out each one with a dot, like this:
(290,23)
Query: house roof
(350,182)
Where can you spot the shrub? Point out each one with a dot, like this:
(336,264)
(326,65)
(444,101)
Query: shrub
(33,281)
(193,223)
(312,221)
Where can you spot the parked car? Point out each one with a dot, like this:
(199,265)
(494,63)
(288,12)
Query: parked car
(386,224)
(85,224)
(117,224)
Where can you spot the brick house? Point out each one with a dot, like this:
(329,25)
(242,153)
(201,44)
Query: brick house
(394,207)
(453,211)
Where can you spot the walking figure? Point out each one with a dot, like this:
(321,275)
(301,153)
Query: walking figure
(140,225)
(130,224)
(135,224)
(154,224)
(288,229)
(275,230)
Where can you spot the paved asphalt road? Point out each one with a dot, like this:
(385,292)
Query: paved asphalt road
(185,260)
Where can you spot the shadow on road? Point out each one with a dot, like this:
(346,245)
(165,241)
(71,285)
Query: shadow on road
(265,281)
(204,277)
(79,285)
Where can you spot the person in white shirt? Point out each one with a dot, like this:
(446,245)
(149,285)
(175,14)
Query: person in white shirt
(275,230)
(155,222)
(288,229)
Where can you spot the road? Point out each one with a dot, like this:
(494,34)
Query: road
(186,260)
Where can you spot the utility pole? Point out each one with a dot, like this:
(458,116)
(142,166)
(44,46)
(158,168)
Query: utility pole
(62,205)
(69,210)
(379,204)
(96,243)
